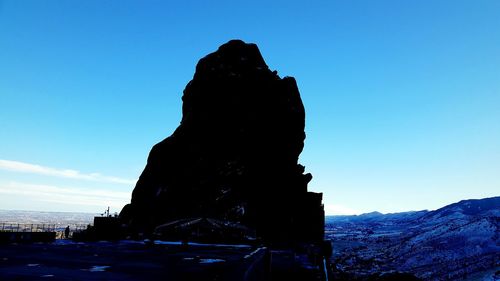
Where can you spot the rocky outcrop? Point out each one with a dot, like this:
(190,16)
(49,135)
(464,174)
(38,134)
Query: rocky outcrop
(234,157)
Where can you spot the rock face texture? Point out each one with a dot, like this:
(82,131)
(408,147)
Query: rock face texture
(234,157)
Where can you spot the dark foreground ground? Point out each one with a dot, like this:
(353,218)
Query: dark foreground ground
(129,260)
(134,260)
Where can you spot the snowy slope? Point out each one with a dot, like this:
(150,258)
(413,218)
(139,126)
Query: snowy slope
(452,243)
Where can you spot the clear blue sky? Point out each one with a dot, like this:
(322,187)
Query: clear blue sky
(402,97)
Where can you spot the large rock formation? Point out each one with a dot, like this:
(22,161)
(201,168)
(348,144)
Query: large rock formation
(234,157)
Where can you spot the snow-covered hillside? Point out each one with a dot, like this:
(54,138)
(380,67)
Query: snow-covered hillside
(458,242)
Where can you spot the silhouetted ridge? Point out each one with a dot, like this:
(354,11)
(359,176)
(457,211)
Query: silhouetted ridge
(234,156)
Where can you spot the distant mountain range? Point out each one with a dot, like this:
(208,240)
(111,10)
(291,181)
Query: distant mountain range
(460,241)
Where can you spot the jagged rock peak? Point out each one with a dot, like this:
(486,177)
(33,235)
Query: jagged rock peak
(234,157)
(231,59)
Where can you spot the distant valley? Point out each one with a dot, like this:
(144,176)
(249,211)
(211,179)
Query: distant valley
(460,241)
(9,219)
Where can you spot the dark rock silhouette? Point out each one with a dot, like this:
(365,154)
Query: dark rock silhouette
(234,156)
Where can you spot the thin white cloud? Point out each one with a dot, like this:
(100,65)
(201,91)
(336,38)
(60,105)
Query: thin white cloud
(16,166)
(331,209)
(66,195)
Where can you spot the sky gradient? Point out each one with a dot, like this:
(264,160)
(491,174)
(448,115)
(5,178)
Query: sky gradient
(402,98)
